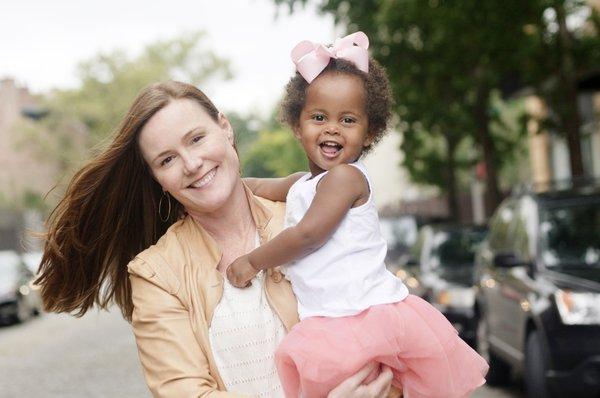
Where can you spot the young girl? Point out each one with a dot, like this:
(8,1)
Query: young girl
(332,250)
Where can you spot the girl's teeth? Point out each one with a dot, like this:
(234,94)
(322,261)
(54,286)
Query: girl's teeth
(205,180)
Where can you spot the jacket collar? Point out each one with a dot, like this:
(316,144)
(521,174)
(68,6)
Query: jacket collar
(200,238)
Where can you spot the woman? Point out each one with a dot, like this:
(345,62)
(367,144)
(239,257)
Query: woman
(172,171)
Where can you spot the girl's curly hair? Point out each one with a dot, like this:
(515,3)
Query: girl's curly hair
(378,98)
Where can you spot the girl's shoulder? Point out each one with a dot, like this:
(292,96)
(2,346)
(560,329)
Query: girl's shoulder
(344,174)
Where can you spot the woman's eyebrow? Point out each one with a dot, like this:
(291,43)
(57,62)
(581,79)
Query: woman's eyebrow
(184,138)
(189,133)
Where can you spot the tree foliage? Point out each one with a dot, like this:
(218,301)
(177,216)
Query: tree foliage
(448,63)
(78,119)
(110,82)
(444,60)
(276,153)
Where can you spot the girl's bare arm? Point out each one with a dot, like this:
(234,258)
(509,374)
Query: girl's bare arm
(275,189)
(336,194)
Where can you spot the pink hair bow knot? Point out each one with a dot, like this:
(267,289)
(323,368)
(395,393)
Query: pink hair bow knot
(311,58)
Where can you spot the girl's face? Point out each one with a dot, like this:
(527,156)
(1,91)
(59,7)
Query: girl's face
(333,125)
(191,156)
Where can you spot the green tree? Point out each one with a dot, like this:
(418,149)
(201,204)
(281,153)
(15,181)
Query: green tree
(276,153)
(80,118)
(567,49)
(446,61)
(110,82)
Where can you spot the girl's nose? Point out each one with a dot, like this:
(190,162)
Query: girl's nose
(332,129)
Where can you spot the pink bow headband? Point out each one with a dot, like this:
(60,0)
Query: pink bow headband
(311,58)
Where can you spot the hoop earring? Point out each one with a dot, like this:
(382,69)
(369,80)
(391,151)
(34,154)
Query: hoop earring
(164,219)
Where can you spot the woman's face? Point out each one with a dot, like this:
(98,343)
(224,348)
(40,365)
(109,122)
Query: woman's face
(191,156)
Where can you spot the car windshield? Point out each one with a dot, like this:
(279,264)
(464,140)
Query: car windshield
(570,235)
(456,248)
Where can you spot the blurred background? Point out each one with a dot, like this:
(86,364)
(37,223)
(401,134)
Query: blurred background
(494,100)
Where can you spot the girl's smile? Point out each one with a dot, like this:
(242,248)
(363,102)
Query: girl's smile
(333,125)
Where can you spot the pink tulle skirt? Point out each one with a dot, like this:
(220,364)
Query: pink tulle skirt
(414,339)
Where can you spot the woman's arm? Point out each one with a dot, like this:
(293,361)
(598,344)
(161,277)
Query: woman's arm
(274,189)
(336,193)
(174,364)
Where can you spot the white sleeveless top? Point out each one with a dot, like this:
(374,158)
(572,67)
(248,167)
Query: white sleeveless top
(244,334)
(347,274)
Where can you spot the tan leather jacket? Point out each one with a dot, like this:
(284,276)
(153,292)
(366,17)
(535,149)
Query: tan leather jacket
(176,287)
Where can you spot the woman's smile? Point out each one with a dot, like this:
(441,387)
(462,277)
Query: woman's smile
(205,180)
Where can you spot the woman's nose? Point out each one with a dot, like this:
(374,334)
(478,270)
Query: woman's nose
(191,163)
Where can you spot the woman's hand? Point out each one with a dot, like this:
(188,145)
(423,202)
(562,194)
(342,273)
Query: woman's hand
(240,272)
(353,386)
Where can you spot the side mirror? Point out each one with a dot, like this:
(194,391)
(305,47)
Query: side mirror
(412,262)
(507,260)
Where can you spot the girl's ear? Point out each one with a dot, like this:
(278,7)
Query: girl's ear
(226,126)
(297,131)
(369,139)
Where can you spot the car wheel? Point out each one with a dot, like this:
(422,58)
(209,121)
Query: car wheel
(535,367)
(499,371)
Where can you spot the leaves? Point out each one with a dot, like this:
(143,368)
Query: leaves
(110,82)
(276,153)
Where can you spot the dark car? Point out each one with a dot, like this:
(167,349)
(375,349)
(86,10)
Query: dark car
(400,233)
(19,299)
(441,271)
(538,297)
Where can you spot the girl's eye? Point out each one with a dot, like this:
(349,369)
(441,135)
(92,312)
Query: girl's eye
(166,160)
(319,118)
(348,120)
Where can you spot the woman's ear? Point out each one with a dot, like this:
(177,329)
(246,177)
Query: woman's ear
(226,126)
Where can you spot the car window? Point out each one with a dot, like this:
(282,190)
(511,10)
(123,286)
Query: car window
(569,235)
(455,248)
(500,227)
(523,229)
(417,248)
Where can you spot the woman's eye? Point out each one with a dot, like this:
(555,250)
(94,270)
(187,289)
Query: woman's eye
(166,160)
(196,139)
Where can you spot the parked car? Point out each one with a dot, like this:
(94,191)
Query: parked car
(400,233)
(440,270)
(538,297)
(19,299)
(32,260)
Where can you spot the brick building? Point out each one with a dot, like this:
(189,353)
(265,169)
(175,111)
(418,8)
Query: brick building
(27,171)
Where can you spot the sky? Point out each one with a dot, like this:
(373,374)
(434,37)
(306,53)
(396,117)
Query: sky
(42,41)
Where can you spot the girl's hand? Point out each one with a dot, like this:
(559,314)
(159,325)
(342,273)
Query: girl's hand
(353,386)
(240,272)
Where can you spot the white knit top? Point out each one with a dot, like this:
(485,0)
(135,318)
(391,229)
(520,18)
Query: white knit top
(244,334)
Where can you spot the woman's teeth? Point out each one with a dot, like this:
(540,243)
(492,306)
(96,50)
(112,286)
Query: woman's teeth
(206,179)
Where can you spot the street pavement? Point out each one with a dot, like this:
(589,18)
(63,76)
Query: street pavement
(59,356)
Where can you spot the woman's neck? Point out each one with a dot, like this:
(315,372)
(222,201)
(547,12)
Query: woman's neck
(231,221)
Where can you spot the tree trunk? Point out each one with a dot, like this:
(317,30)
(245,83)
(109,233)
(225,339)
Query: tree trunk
(568,110)
(486,145)
(450,174)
